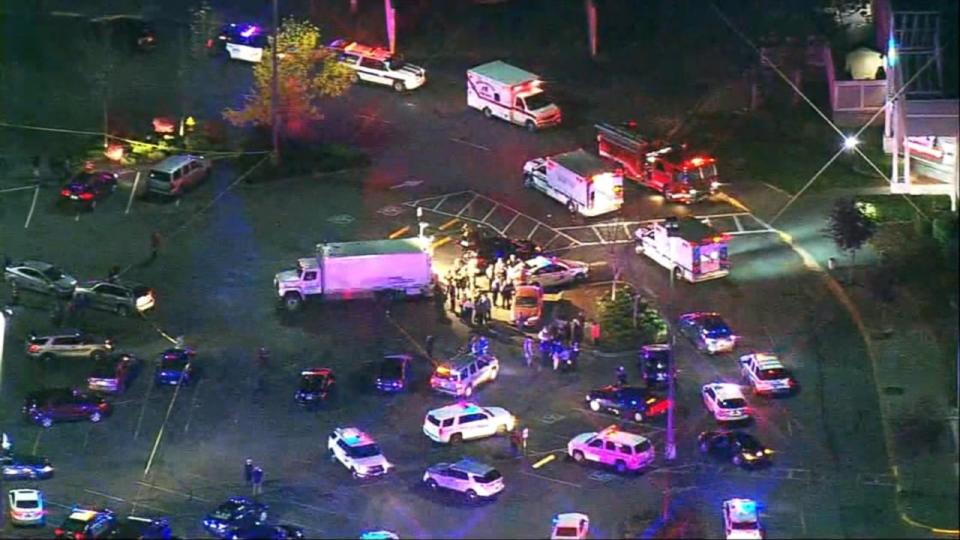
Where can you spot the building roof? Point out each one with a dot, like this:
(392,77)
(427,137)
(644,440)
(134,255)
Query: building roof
(583,163)
(504,73)
(365,248)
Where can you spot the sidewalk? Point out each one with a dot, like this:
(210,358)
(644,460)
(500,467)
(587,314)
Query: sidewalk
(914,402)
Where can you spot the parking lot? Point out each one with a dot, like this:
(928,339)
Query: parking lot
(179,454)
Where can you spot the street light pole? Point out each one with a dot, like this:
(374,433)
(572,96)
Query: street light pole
(671,450)
(274,114)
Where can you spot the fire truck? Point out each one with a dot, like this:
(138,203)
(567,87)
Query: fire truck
(690,249)
(672,170)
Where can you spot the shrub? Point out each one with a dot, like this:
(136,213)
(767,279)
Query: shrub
(619,331)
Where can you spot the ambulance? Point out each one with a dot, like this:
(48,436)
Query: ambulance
(692,250)
(585,183)
(501,90)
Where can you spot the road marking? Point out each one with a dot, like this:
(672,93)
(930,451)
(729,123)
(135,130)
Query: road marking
(172,492)
(33,205)
(551,418)
(440,242)
(549,479)
(76,217)
(36,442)
(177,204)
(136,182)
(21,188)
(543,452)
(736,221)
(449,224)
(390,211)
(341,219)
(407,183)
(104,495)
(143,410)
(324,510)
(467,206)
(399,232)
(468,143)
(544,461)
(803,521)
(603,477)
(374,118)
(193,405)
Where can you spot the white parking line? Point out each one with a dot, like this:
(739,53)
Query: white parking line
(193,405)
(468,143)
(133,192)
(104,495)
(143,410)
(36,442)
(33,205)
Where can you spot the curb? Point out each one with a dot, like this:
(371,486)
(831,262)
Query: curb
(841,296)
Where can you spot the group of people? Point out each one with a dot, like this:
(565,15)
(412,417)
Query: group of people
(473,304)
(559,344)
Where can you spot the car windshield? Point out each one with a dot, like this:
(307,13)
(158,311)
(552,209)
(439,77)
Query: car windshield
(80,179)
(104,370)
(365,451)
(174,360)
(565,532)
(527,301)
(433,420)
(224,512)
(744,525)
(312,383)
(537,101)
(773,373)
(733,403)
(28,503)
(748,443)
(656,358)
(491,476)
(396,63)
(160,176)
(53,273)
(391,369)
(715,327)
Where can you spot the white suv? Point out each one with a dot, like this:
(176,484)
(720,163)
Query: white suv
(620,449)
(725,402)
(461,378)
(766,374)
(461,421)
(471,478)
(378,65)
(358,452)
(741,520)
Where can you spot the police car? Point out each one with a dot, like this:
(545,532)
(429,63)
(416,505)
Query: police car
(620,449)
(378,65)
(553,272)
(358,452)
(570,526)
(315,385)
(471,478)
(725,402)
(461,378)
(708,332)
(741,519)
(465,420)
(26,507)
(244,42)
(85,523)
(765,373)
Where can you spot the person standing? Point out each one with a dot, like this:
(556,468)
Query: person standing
(495,287)
(595,332)
(466,311)
(155,241)
(248,471)
(507,294)
(257,480)
(576,331)
(528,350)
(428,345)
(621,376)
(452,292)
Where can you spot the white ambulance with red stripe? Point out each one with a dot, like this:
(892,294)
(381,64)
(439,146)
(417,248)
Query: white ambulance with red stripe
(501,90)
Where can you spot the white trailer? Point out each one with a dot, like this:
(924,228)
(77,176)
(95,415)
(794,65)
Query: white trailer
(585,183)
(349,270)
(501,90)
(690,249)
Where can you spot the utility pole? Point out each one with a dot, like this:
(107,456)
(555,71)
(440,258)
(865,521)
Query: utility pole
(274,97)
(591,9)
(671,450)
(391,16)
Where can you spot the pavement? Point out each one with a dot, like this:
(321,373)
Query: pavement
(907,386)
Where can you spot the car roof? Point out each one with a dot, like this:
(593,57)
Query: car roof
(460,362)
(528,290)
(456,409)
(726,390)
(61,333)
(173,163)
(570,519)
(472,466)
(36,265)
(539,261)
(741,510)
(615,434)
(124,284)
(84,514)
(377,53)
(353,436)
(25,494)
(397,357)
(767,361)
(656,348)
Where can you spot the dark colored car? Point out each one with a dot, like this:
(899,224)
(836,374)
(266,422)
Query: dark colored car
(267,532)
(708,332)
(86,188)
(653,362)
(394,373)
(126,31)
(175,365)
(487,247)
(113,374)
(743,449)
(631,402)
(25,467)
(142,529)
(316,385)
(119,297)
(86,524)
(234,514)
(45,407)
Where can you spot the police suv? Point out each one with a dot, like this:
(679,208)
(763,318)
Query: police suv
(766,374)
(358,452)
(613,447)
(378,65)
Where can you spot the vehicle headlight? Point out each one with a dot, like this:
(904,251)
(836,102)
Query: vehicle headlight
(749,457)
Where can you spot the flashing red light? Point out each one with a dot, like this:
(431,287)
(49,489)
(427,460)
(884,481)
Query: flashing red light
(86,196)
(164,125)
(58,532)
(103,406)
(114,152)
(65,192)
(210,43)
(78,536)
(632,124)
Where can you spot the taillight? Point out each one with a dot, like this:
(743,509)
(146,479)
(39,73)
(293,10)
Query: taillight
(210,43)
(86,196)
(78,536)
(65,192)
(33,348)
(58,532)
(103,406)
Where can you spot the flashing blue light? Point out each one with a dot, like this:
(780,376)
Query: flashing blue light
(891,52)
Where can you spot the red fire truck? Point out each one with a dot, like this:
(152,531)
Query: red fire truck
(672,170)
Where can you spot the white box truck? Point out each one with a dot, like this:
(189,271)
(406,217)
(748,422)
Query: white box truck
(348,270)
(507,92)
(689,248)
(585,183)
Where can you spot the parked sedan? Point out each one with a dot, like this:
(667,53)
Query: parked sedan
(26,507)
(553,272)
(45,407)
(174,366)
(68,344)
(122,298)
(631,402)
(743,449)
(40,277)
(708,332)
(235,513)
(113,374)
(25,467)
(86,188)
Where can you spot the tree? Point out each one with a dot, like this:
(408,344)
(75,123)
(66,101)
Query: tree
(306,74)
(850,228)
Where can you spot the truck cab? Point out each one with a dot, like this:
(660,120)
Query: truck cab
(303,280)
(692,250)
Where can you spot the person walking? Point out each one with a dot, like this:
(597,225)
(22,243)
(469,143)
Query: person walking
(248,471)
(257,480)
(576,331)
(428,345)
(155,241)
(495,288)
(466,311)
(528,351)
(594,332)
(36,167)
(486,309)
(506,294)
